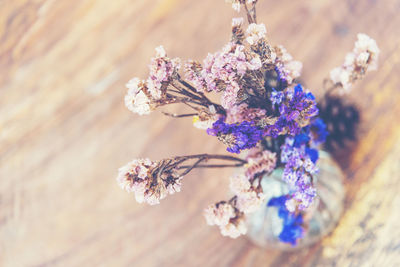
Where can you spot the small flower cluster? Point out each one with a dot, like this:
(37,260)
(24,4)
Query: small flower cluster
(292,225)
(144,179)
(236,136)
(227,217)
(248,198)
(288,69)
(236,4)
(145,96)
(263,109)
(296,109)
(362,59)
(259,161)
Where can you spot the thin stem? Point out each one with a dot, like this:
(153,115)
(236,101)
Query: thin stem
(213,166)
(249,17)
(179,115)
(211,156)
(253,10)
(193,166)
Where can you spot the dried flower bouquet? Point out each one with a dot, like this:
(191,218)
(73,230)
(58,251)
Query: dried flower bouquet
(263,110)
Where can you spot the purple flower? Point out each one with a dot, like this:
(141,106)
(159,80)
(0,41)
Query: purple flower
(292,229)
(296,109)
(299,169)
(236,136)
(276,97)
(318,131)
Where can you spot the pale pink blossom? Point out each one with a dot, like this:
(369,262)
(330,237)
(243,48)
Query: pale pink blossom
(138,177)
(366,51)
(255,32)
(239,184)
(229,96)
(219,214)
(342,76)
(259,161)
(223,70)
(192,70)
(289,69)
(235,4)
(162,69)
(174,186)
(234,229)
(255,63)
(237,22)
(136,100)
(249,201)
(134,177)
(240,113)
(362,59)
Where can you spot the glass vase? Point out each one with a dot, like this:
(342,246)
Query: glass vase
(264,226)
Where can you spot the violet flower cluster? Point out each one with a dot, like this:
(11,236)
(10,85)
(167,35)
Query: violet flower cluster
(292,223)
(262,111)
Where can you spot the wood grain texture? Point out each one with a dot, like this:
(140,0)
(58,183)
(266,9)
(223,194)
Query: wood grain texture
(64,131)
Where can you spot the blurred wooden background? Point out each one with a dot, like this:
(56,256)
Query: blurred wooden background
(64,132)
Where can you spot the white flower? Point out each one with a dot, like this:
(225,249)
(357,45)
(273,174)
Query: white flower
(202,124)
(255,63)
(289,68)
(234,230)
(175,186)
(135,99)
(239,184)
(249,201)
(362,59)
(160,52)
(366,44)
(237,22)
(342,76)
(255,32)
(235,4)
(219,214)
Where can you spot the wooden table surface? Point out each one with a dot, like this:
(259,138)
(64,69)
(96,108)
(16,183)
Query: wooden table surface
(64,132)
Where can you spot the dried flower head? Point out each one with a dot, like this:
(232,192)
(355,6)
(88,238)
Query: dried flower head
(255,32)
(259,161)
(362,59)
(288,68)
(235,4)
(235,228)
(136,99)
(219,214)
(148,181)
(162,70)
(249,201)
(229,219)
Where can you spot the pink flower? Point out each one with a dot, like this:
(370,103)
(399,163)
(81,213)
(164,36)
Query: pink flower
(193,71)
(289,69)
(362,59)
(235,4)
(234,229)
(255,32)
(219,214)
(162,69)
(239,184)
(229,96)
(134,177)
(138,177)
(250,201)
(240,113)
(259,161)
(230,220)
(237,22)
(136,100)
